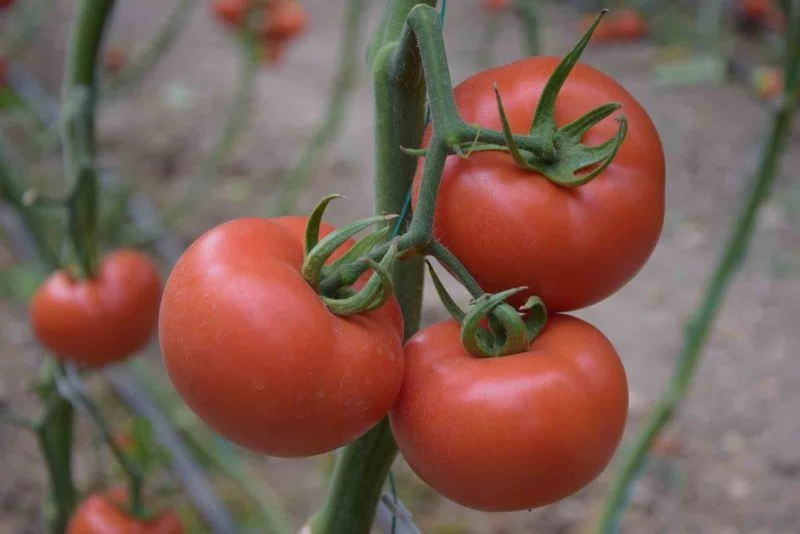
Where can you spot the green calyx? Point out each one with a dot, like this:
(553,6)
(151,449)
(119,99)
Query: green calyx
(510,331)
(556,153)
(343,300)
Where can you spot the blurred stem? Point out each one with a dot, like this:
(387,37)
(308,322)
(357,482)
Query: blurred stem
(491,30)
(528,13)
(24,28)
(166,37)
(298,177)
(82,402)
(399,93)
(12,189)
(235,124)
(697,330)
(79,100)
(54,434)
(709,25)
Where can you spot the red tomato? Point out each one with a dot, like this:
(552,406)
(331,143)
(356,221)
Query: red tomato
(513,432)
(231,12)
(114,60)
(103,514)
(495,5)
(257,355)
(99,321)
(761,13)
(6,3)
(284,20)
(511,227)
(620,25)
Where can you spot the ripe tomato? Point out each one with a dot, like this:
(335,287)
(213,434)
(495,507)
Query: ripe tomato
(104,514)
(256,354)
(512,432)
(511,227)
(102,320)
(284,20)
(755,14)
(231,12)
(495,5)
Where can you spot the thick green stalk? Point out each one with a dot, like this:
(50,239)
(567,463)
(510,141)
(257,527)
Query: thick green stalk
(698,328)
(297,178)
(55,433)
(399,92)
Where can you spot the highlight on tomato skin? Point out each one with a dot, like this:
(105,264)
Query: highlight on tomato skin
(241,328)
(512,432)
(104,513)
(511,227)
(102,320)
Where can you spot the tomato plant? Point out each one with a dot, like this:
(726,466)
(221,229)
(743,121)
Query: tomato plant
(255,353)
(105,514)
(513,432)
(102,320)
(572,246)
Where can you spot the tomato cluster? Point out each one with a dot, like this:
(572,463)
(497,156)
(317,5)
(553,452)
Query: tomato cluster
(100,320)
(104,513)
(279,22)
(251,343)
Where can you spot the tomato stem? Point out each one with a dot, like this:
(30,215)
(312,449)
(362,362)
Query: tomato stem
(78,128)
(698,328)
(76,395)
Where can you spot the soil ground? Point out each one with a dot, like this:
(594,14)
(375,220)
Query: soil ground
(737,467)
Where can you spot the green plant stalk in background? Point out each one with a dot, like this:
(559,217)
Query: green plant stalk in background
(698,328)
(136,71)
(399,92)
(298,176)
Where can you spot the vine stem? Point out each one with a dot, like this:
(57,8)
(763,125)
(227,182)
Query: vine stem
(166,37)
(71,388)
(399,92)
(697,330)
(299,175)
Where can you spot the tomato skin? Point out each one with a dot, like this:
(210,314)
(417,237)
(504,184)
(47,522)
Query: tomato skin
(256,354)
(511,227)
(513,432)
(99,321)
(103,514)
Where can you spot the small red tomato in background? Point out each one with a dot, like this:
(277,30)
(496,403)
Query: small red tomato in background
(760,14)
(231,12)
(105,514)
(511,227)
(6,3)
(102,320)
(512,432)
(257,355)
(495,5)
(620,25)
(284,20)
(114,60)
